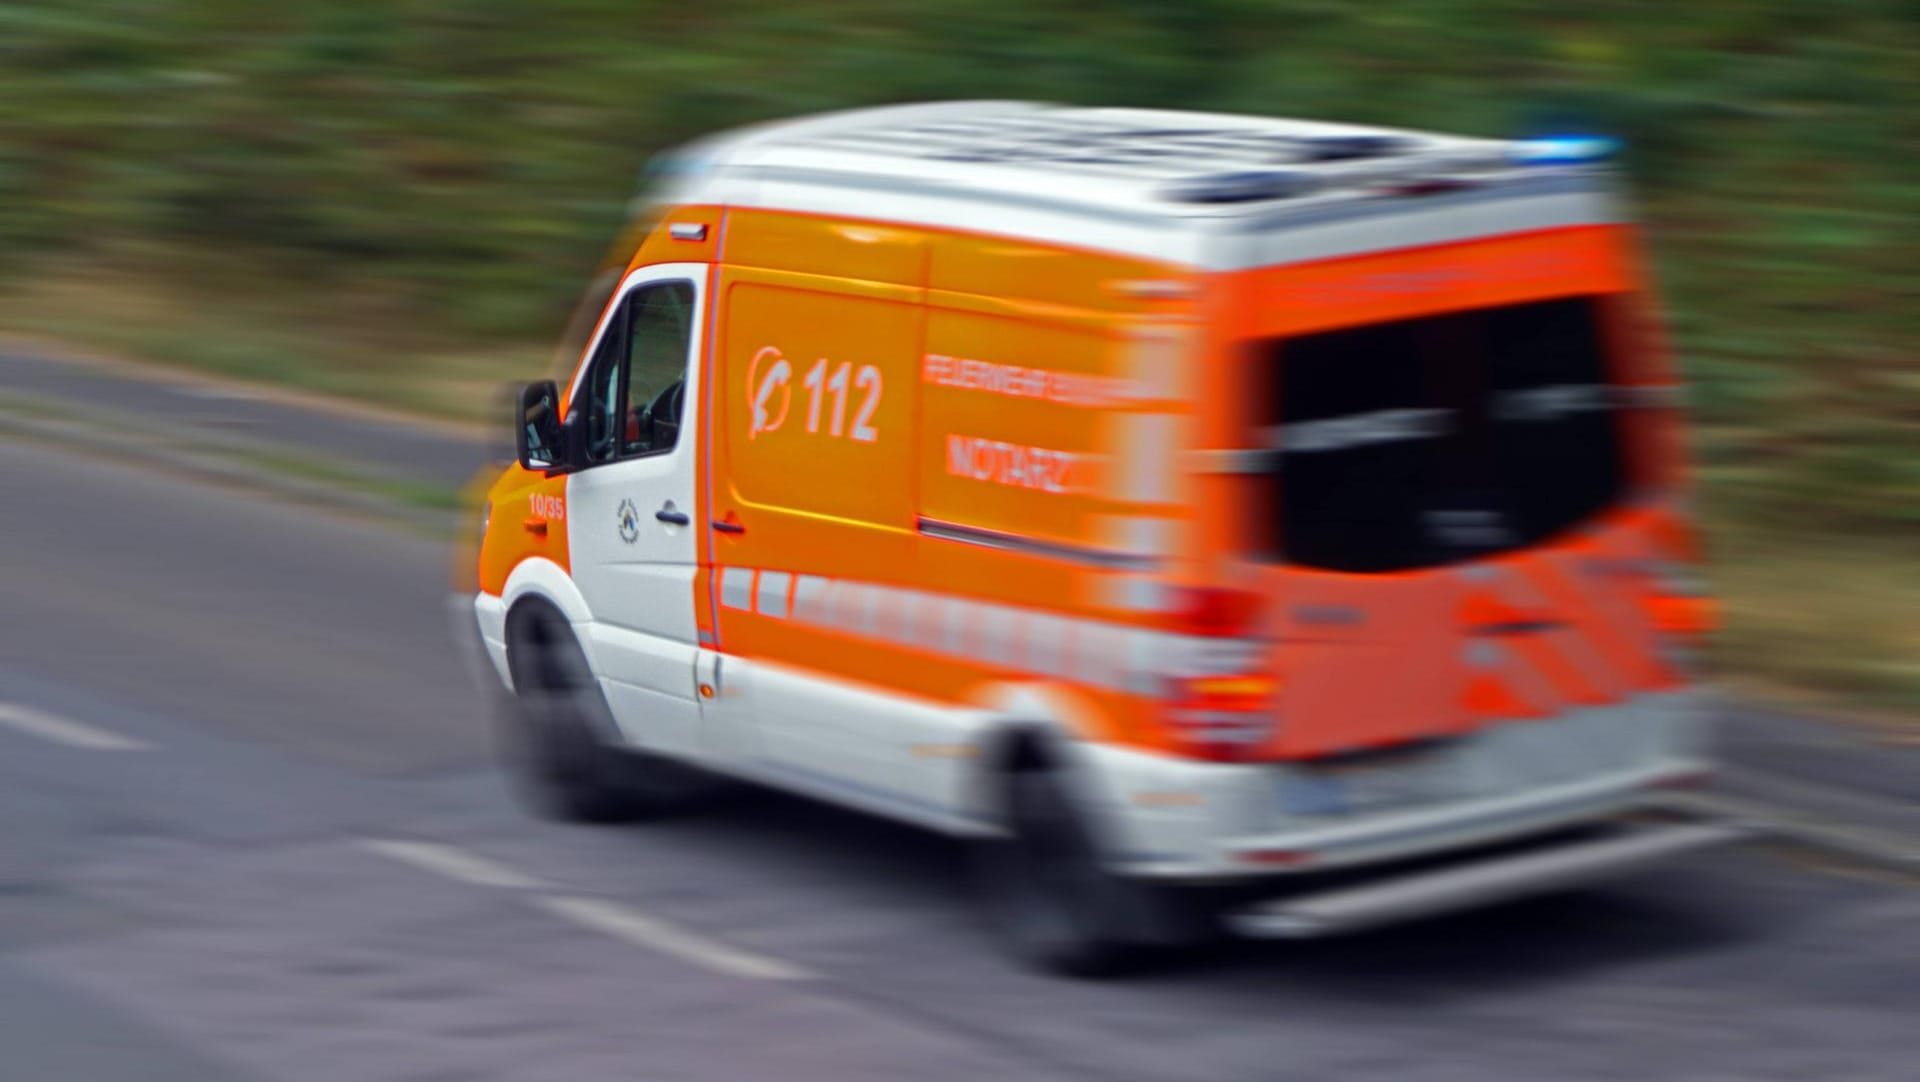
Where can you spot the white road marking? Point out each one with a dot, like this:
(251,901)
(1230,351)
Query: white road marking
(445,860)
(598,914)
(632,926)
(66,731)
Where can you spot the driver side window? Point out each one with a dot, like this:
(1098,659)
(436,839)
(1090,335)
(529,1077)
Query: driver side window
(659,329)
(637,385)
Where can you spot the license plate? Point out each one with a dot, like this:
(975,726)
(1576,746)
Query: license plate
(1339,789)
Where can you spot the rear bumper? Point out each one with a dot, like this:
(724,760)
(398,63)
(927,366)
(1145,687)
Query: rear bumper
(1481,880)
(1417,831)
(1183,821)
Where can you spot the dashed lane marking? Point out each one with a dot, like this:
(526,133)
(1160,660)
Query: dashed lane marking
(608,917)
(74,734)
(445,860)
(632,926)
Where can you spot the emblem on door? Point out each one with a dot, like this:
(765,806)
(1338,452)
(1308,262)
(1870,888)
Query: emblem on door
(629,522)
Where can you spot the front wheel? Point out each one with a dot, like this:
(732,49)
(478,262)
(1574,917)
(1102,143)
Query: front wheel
(556,732)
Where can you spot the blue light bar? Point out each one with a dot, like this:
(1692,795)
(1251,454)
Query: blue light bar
(1563,150)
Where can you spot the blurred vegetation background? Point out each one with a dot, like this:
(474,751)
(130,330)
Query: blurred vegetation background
(398,200)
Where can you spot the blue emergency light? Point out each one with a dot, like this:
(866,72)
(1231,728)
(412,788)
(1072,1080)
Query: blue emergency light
(1563,150)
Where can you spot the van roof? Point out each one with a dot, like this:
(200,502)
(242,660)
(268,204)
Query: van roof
(1139,181)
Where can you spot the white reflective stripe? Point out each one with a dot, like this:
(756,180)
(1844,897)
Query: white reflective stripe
(999,629)
(1154,356)
(847,606)
(962,618)
(810,599)
(771,596)
(1137,535)
(1094,652)
(887,614)
(907,605)
(872,599)
(736,588)
(926,619)
(1145,456)
(1046,651)
(1100,653)
(1135,593)
(1148,654)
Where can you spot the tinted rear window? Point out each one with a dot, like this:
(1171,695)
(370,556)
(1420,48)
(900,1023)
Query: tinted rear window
(1446,438)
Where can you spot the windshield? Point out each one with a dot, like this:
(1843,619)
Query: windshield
(1429,441)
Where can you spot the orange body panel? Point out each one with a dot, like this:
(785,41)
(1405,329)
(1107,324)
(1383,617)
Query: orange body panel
(527,519)
(819,496)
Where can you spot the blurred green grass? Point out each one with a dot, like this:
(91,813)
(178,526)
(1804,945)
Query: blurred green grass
(398,200)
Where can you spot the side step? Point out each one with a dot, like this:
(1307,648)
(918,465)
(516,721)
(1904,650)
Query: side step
(1478,882)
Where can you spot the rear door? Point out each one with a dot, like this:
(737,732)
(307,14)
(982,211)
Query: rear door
(632,511)
(1425,462)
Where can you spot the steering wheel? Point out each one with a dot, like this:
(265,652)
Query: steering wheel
(666,405)
(659,420)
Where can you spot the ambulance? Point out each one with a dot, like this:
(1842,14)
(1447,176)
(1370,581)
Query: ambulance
(1219,521)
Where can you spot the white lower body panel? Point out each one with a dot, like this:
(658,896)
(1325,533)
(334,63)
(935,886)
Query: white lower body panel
(1179,819)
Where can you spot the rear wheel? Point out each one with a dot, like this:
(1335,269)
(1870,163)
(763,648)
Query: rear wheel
(555,734)
(1052,902)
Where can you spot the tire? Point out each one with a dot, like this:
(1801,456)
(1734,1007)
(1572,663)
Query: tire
(553,735)
(1050,902)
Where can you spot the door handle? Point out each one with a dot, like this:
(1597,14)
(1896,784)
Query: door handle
(668,514)
(535,525)
(728,526)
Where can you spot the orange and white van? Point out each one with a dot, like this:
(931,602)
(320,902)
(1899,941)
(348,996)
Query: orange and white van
(1167,500)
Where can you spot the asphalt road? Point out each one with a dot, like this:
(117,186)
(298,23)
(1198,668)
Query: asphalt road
(248,831)
(354,439)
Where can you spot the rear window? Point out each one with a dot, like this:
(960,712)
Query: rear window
(1446,438)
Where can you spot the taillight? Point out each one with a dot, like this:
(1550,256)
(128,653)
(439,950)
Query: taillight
(1240,693)
(1221,699)
(1209,610)
(1690,616)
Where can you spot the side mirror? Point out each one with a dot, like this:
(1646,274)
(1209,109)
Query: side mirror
(537,433)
